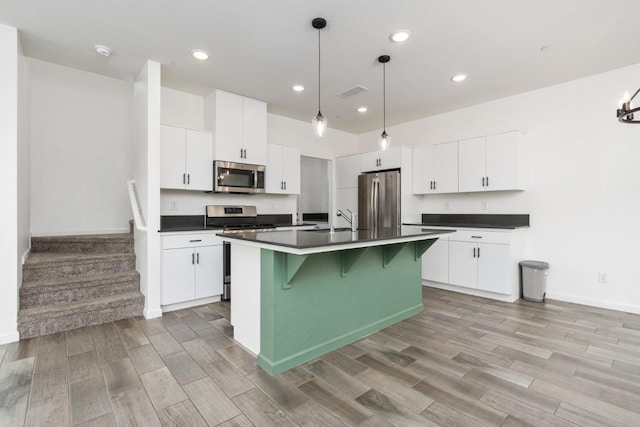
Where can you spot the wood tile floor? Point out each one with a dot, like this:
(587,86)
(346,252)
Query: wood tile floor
(465,361)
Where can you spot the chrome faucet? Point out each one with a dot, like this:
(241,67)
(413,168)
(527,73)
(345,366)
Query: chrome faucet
(352,219)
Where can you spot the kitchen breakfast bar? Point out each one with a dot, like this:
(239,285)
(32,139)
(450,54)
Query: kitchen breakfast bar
(299,294)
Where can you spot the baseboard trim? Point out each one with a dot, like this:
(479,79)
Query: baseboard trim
(80,232)
(10,337)
(470,291)
(152,314)
(274,367)
(189,304)
(25,255)
(611,305)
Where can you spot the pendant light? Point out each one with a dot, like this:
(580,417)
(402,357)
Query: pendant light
(625,109)
(319,122)
(384,138)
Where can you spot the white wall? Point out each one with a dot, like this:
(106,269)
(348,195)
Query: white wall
(9,161)
(81,151)
(315,185)
(583,189)
(146,173)
(24,162)
(181,109)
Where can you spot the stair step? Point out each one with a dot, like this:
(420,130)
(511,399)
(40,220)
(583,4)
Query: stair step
(76,289)
(48,319)
(95,243)
(54,266)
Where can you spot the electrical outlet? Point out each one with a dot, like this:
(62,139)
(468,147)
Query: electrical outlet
(173,206)
(484,205)
(603,278)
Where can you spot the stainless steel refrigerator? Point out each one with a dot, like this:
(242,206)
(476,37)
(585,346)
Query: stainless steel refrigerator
(379,200)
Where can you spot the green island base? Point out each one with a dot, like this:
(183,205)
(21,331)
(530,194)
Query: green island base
(313,304)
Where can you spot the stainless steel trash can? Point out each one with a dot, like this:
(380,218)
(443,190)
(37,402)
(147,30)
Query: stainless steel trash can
(533,279)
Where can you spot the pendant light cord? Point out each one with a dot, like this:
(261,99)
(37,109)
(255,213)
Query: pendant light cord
(319,91)
(384,96)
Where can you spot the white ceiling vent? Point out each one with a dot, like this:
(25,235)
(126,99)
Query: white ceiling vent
(352,92)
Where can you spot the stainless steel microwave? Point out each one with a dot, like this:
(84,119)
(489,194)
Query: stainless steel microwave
(231,177)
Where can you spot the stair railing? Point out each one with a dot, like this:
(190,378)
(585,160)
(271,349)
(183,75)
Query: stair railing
(138,215)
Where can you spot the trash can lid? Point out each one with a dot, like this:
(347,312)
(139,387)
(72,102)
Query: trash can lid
(538,265)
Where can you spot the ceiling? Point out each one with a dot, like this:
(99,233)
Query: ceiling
(261,48)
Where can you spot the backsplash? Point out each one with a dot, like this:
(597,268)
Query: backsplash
(183,202)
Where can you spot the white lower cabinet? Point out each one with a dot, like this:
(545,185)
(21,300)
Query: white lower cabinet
(191,267)
(474,259)
(435,262)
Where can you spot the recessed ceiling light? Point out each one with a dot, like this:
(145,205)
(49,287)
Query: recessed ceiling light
(200,54)
(458,78)
(400,36)
(297,88)
(362,109)
(102,50)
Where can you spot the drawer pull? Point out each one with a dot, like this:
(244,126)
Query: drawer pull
(476,237)
(193,241)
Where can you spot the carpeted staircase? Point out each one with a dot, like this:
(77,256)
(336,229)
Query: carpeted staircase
(73,281)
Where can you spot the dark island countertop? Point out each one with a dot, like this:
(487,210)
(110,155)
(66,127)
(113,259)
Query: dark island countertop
(316,241)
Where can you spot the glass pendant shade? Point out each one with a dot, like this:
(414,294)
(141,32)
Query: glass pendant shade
(385,140)
(319,123)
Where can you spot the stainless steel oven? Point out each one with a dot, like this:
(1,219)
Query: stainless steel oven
(231,177)
(232,219)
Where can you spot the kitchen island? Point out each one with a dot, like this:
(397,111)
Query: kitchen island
(299,294)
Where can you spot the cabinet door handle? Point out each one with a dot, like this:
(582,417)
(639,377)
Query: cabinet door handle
(188,178)
(434,184)
(193,259)
(478,252)
(285,185)
(241,154)
(474,252)
(198,257)
(193,241)
(282,185)
(184,178)
(487,181)
(483,181)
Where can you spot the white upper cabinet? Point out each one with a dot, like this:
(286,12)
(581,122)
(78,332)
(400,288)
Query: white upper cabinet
(381,160)
(506,162)
(186,158)
(492,163)
(254,128)
(472,164)
(283,170)
(435,169)
(241,128)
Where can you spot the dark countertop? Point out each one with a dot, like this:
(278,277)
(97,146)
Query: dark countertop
(176,223)
(306,241)
(499,221)
(466,225)
(174,229)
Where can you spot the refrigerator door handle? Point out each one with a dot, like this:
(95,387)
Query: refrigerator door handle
(375,201)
